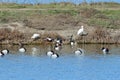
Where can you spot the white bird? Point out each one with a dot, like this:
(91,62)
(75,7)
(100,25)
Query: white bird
(35,36)
(105,50)
(79,52)
(22,50)
(5,51)
(50,53)
(80,31)
(54,56)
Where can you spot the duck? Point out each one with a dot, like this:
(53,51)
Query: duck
(71,40)
(5,51)
(59,40)
(35,36)
(1,54)
(57,46)
(52,54)
(105,50)
(49,39)
(22,49)
(79,52)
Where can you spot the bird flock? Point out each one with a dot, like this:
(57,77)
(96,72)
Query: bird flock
(52,53)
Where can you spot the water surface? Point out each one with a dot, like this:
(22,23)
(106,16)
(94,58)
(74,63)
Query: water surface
(35,65)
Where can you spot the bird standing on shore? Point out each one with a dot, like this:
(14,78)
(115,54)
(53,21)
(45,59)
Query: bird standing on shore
(80,31)
(49,39)
(59,40)
(72,41)
(35,36)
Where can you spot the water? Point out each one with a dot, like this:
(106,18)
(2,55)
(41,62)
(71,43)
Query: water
(37,66)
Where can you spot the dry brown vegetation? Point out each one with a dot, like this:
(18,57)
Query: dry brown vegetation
(7,34)
(53,35)
(53,22)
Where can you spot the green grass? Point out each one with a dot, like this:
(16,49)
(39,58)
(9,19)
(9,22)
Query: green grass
(92,15)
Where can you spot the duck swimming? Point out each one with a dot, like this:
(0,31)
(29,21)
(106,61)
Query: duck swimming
(21,49)
(5,51)
(105,50)
(52,54)
(79,52)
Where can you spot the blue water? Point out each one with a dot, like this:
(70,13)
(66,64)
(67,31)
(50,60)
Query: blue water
(51,1)
(64,68)
(92,66)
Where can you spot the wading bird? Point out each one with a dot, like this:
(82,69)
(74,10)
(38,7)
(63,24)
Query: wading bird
(80,31)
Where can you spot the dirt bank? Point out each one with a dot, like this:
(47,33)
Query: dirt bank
(19,32)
